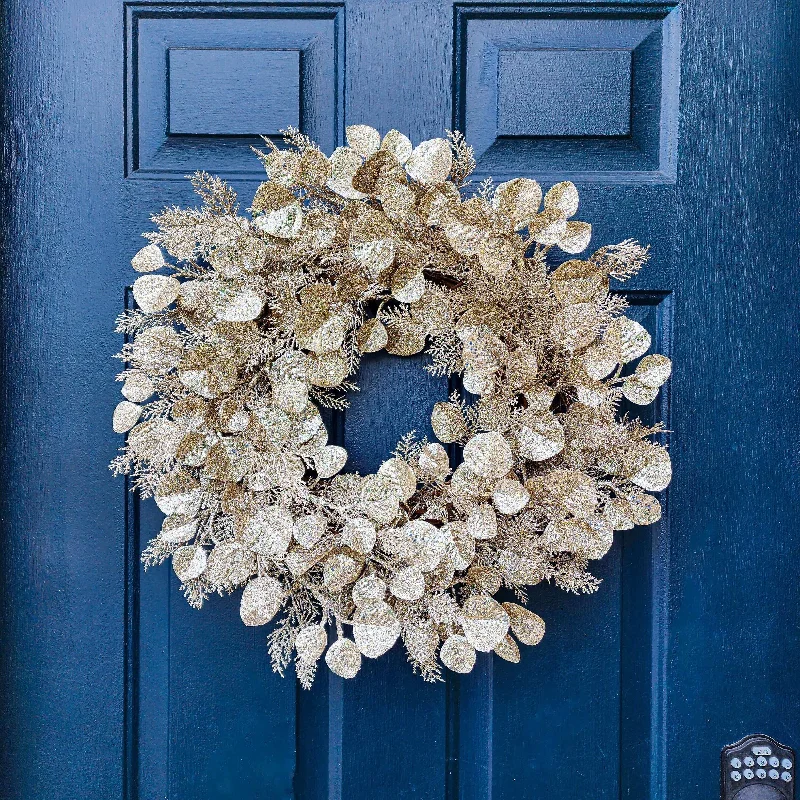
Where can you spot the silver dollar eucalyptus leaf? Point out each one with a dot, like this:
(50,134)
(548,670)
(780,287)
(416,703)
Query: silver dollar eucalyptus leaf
(241,306)
(148,259)
(408,584)
(508,650)
(126,415)
(189,562)
(510,496)
(268,531)
(344,658)
(526,626)
(359,534)
(330,460)
(310,643)
(375,628)
(398,471)
(485,622)
(488,455)
(457,654)
(309,529)
(155,292)
(261,600)
(178,529)
(430,162)
(367,589)
(138,387)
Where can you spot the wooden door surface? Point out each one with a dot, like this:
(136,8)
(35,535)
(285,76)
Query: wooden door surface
(678,124)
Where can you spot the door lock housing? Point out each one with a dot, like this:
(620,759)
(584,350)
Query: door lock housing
(757,768)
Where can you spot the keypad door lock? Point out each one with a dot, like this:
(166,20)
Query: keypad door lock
(757,768)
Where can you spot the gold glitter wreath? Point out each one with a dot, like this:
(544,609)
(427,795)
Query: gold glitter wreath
(258,321)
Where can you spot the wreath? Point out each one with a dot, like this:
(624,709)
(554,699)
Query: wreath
(255,322)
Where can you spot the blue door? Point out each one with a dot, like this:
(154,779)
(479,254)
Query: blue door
(678,123)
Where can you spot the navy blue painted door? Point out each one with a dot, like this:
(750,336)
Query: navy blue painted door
(676,123)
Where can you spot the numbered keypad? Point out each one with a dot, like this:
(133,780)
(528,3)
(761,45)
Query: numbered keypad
(757,759)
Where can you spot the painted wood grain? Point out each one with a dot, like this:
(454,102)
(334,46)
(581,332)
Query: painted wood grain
(734,655)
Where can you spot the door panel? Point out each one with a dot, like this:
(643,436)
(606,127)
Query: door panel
(187,107)
(578,88)
(112,686)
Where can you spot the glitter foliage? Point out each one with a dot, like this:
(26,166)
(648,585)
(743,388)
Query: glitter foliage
(249,323)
